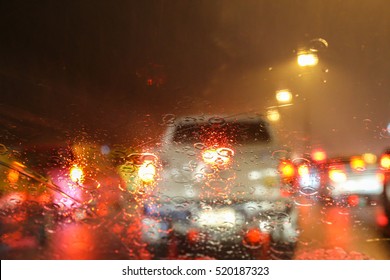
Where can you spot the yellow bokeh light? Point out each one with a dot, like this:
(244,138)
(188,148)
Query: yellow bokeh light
(337,176)
(283,96)
(385,161)
(76,174)
(147,171)
(369,158)
(273,115)
(358,164)
(307,59)
(13,176)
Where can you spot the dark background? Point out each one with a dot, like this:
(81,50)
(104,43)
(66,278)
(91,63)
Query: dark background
(110,70)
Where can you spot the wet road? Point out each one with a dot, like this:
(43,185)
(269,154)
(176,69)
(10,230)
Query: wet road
(325,233)
(338,233)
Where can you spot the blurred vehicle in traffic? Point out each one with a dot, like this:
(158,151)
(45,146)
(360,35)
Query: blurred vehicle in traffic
(308,176)
(353,181)
(80,177)
(138,172)
(219,192)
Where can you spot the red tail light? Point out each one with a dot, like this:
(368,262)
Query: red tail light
(353,200)
(319,155)
(381,219)
(76,174)
(255,237)
(357,164)
(303,170)
(217,156)
(287,169)
(147,170)
(385,161)
(192,235)
(337,175)
(146,164)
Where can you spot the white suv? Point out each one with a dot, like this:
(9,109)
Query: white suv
(219,192)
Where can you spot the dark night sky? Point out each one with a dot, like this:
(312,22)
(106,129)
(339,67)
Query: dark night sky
(102,67)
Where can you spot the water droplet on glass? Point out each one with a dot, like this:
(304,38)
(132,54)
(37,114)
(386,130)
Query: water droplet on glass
(319,43)
(217,120)
(191,153)
(168,119)
(308,191)
(3,149)
(280,154)
(180,178)
(200,146)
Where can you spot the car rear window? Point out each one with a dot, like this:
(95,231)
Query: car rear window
(224,133)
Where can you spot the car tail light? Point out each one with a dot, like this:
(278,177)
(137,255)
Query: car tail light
(381,219)
(318,155)
(255,236)
(218,156)
(192,235)
(303,170)
(353,200)
(337,175)
(357,164)
(287,169)
(146,164)
(147,171)
(76,174)
(385,161)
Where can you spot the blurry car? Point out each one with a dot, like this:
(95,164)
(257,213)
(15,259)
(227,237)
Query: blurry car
(138,172)
(219,192)
(385,166)
(80,183)
(353,181)
(308,176)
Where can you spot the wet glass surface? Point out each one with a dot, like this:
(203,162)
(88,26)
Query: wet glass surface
(195,130)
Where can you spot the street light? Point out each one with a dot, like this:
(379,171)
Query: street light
(307,58)
(283,96)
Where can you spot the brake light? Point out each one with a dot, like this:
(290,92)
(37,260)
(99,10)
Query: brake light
(319,155)
(381,219)
(385,161)
(192,235)
(147,171)
(254,237)
(303,170)
(218,156)
(286,169)
(353,200)
(76,174)
(337,175)
(357,164)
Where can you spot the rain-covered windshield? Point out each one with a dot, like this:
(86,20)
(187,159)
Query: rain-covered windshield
(195,129)
(234,133)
